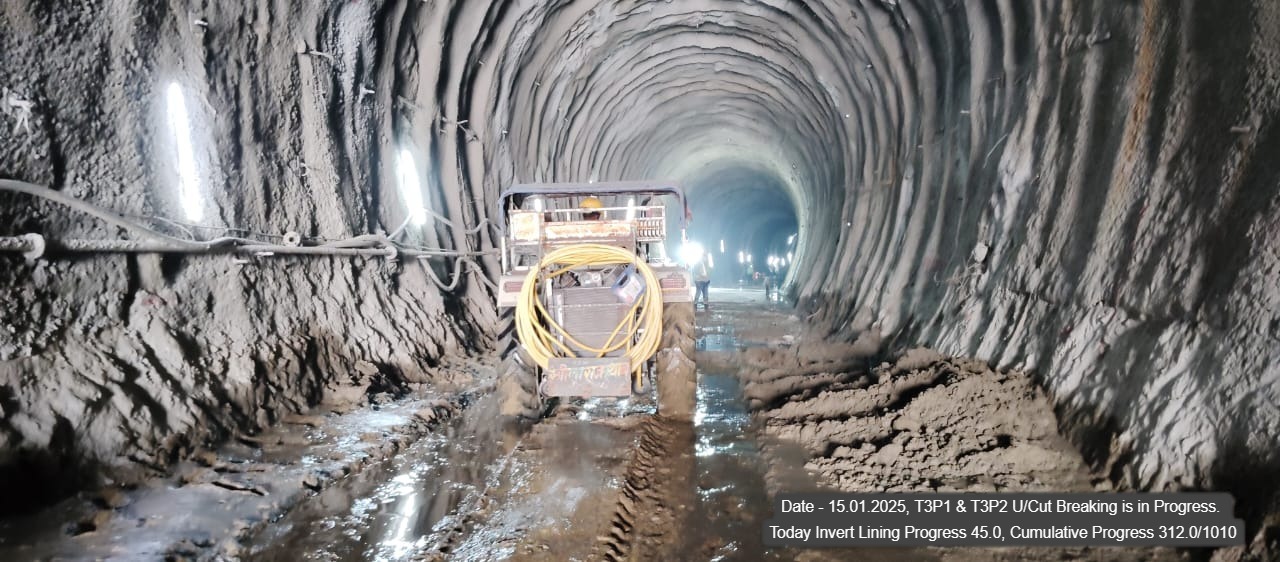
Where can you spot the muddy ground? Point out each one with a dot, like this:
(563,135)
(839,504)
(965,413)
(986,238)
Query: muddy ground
(433,477)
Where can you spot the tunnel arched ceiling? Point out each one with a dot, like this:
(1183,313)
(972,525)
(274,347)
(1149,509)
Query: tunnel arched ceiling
(1081,189)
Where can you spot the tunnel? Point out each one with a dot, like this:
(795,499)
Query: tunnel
(1083,191)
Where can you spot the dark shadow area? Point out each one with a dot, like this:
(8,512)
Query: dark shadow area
(34,479)
(1249,474)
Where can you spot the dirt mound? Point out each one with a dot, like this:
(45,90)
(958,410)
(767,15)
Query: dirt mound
(924,422)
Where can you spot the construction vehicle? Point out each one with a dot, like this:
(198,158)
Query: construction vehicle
(590,303)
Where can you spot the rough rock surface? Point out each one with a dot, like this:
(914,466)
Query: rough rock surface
(1082,190)
(126,363)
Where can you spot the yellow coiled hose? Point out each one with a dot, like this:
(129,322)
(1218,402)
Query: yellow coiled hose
(538,331)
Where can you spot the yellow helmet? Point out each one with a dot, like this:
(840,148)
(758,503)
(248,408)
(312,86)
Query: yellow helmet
(592,203)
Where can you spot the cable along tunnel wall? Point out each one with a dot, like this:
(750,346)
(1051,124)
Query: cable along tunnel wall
(1080,189)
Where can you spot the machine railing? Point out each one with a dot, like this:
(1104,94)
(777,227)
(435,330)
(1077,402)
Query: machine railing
(554,226)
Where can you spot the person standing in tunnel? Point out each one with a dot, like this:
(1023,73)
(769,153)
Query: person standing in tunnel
(702,280)
(592,203)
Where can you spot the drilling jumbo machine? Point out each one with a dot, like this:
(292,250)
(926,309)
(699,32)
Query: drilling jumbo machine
(589,302)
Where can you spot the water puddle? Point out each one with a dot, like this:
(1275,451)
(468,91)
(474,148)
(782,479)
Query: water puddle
(393,511)
(738,468)
(557,491)
(732,497)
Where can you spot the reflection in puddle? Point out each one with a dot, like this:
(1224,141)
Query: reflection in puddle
(731,491)
(391,512)
(721,420)
(605,407)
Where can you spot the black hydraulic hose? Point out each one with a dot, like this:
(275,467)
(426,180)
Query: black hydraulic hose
(112,218)
(469,231)
(363,245)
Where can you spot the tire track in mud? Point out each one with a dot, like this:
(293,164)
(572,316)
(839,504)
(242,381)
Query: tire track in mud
(454,527)
(657,490)
(656,495)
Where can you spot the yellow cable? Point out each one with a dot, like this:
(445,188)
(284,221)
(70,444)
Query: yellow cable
(537,330)
(547,339)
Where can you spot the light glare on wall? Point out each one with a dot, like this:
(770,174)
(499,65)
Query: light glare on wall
(410,188)
(188,178)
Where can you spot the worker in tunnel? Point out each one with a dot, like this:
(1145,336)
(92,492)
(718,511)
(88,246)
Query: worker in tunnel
(702,280)
(591,202)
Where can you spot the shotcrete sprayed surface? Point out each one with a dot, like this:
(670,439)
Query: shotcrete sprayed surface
(1084,190)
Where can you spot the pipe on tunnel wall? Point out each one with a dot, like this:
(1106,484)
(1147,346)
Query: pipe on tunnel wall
(1081,189)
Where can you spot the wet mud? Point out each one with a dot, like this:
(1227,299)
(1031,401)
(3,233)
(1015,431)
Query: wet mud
(414,503)
(778,410)
(208,508)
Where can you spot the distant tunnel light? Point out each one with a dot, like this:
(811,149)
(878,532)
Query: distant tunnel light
(742,257)
(722,245)
(188,178)
(411,188)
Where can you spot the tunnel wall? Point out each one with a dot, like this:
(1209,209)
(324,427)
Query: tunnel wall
(113,365)
(1085,190)
(1081,189)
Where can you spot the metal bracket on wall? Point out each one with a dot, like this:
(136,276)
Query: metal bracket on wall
(37,246)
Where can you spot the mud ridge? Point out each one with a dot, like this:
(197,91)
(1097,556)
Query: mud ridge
(921,423)
(645,518)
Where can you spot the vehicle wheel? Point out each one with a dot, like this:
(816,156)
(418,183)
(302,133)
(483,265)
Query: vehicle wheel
(517,375)
(677,373)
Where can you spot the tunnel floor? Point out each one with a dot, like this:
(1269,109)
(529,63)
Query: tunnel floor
(434,478)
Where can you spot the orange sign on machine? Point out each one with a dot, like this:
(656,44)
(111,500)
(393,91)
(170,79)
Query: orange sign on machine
(587,230)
